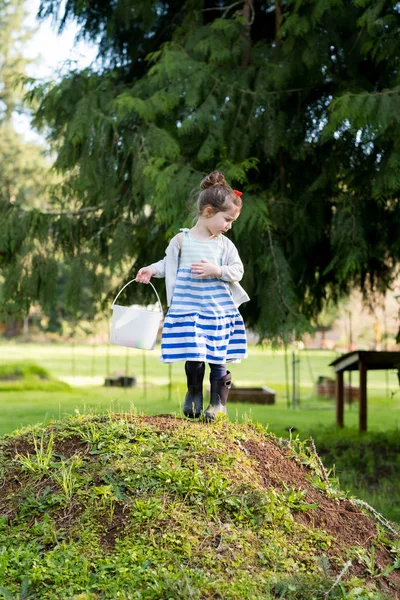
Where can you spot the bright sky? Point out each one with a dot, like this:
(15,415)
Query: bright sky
(50,52)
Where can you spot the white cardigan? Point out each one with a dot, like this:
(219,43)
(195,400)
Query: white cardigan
(232,268)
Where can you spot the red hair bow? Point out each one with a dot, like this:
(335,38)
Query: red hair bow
(237,193)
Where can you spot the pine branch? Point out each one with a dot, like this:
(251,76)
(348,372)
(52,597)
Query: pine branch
(342,573)
(395,90)
(226,9)
(74,213)
(231,86)
(321,466)
(278,279)
(377,516)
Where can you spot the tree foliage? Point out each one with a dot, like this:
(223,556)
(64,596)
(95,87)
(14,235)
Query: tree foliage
(33,270)
(13,35)
(295,101)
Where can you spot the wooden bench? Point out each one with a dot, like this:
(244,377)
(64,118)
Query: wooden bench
(252,395)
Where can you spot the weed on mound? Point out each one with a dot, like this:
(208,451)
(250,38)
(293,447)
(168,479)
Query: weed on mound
(134,507)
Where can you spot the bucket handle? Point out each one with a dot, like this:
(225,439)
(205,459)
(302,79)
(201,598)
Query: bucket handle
(131,281)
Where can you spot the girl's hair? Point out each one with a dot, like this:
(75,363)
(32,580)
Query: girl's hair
(215,192)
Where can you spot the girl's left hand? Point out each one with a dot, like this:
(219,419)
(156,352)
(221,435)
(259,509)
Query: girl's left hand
(205,269)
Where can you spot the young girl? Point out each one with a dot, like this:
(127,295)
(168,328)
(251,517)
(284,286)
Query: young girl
(202,269)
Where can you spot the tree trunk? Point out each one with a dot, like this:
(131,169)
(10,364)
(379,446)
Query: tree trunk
(248,13)
(13,328)
(278,16)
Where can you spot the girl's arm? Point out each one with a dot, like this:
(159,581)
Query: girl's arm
(145,274)
(157,269)
(233,269)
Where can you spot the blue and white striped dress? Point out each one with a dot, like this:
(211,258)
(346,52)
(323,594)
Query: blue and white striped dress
(202,323)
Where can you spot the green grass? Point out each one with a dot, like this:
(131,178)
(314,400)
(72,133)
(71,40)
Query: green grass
(86,364)
(22,377)
(20,370)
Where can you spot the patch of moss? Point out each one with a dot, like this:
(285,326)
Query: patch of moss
(150,508)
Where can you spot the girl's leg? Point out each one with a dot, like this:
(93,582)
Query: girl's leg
(193,405)
(220,380)
(217,371)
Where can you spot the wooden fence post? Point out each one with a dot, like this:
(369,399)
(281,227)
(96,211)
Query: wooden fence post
(339,398)
(363,396)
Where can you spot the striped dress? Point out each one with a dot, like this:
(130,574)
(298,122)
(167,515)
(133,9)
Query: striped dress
(202,323)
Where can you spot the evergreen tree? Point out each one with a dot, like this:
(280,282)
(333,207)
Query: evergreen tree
(22,165)
(32,271)
(295,101)
(13,35)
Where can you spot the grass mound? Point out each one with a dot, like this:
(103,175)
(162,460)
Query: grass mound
(28,376)
(134,507)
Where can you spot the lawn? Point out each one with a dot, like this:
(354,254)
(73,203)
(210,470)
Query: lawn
(85,368)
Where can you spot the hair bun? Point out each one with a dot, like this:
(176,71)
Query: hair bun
(214,178)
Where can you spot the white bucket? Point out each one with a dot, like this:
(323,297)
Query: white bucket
(135,327)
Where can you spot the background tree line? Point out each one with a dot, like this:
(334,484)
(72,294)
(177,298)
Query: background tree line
(296,101)
(29,273)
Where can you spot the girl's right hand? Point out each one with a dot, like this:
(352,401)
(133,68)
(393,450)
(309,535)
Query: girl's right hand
(145,274)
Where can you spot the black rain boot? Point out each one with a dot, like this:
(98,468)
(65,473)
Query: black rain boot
(218,396)
(193,405)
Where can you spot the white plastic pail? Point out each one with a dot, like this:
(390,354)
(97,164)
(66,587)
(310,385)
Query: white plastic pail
(135,327)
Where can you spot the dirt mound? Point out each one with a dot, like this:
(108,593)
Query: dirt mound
(128,507)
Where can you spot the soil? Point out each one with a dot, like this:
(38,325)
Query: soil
(63,448)
(339,518)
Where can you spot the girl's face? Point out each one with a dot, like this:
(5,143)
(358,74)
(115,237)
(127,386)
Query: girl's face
(220,222)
